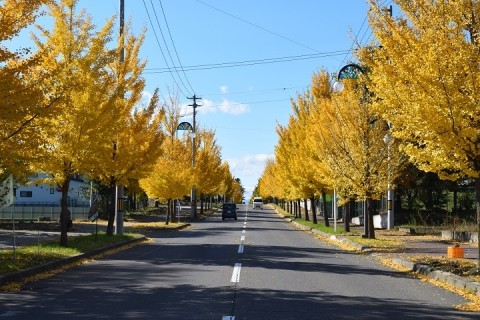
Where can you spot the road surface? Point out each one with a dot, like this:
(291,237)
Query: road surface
(258,267)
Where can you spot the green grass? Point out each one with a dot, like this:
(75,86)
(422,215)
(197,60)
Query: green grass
(33,255)
(321,226)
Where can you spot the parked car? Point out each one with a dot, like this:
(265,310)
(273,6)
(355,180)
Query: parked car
(229,210)
(257,203)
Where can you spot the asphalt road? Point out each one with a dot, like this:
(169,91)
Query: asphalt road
(257,267)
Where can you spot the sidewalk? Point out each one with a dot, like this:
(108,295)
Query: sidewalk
(436,247)
(424,245)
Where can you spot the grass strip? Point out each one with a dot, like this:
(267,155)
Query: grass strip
(33,255)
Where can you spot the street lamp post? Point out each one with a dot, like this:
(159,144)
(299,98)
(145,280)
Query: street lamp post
(350,71)
(194,150)
(188,126)
(388,139)
(119,189)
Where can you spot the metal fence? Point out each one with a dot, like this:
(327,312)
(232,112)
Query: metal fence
(39,213)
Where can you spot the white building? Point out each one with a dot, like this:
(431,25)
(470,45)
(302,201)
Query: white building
(42,201)
(34,194)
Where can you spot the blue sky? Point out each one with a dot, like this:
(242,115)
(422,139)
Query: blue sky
(283,42)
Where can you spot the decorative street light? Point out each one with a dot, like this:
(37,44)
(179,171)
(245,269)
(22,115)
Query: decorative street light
(185,126)
(388,139)
(353,71)
(188,126)
(350,71)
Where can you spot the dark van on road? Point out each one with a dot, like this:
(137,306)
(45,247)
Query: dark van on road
(229,210)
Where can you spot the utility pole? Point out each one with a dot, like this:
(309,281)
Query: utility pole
(193,213)
(119,192)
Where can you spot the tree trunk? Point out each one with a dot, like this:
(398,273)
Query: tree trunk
(173,215)
(429,201)
(346,216)
(169,210)
(307,216)
(64,213)
(455,201)
(202,203)
(306,207)
(324,209)
(314,209)
(370,234)
(299,207)
(477,205)
(111,207)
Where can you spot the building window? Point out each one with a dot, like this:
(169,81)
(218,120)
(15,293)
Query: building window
(26,194)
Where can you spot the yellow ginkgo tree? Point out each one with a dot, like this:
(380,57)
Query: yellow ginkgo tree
(130,150)
(208,172)
(77,62)
(21,98)
(351,141)
(425,75)
(270,183)
(171,176)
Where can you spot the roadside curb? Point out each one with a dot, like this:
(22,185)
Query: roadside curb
(442,276)
(30,272)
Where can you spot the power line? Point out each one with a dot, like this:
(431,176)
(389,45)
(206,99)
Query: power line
(356,41)
(256,91)
(249,103)
(174,47)
(248,62)
(176,69)
(257,26)
(161,50)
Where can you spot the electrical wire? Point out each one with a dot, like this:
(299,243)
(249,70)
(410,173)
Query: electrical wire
(256,91)
(256,26)
(248,62)
(175,68)
(361,42)
(174,47)
(161,50)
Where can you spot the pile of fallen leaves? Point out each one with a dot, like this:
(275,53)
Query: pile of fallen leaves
(460,267)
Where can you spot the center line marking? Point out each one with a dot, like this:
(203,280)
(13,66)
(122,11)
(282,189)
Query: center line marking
(242,238)
(236,273)
(241,248)
(243,231)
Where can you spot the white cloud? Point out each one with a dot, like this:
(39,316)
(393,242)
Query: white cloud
(232,107)
(146,97)
(226,106)
(208,106)
(249,169)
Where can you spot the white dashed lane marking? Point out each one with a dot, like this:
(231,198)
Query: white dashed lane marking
(236,273)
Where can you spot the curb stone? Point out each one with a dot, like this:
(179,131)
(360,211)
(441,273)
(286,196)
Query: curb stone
(22,274)
(446,277)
